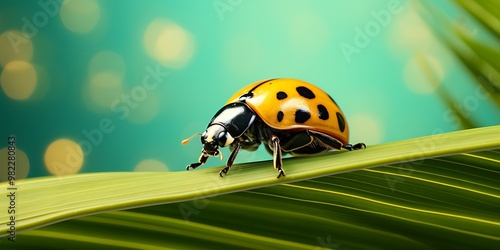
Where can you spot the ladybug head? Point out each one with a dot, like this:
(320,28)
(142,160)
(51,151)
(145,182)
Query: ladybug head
(215,136)
(230,122)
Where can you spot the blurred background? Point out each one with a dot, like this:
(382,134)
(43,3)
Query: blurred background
(97,86)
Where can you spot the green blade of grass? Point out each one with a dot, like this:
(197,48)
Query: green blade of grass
(42,201)
(449,202)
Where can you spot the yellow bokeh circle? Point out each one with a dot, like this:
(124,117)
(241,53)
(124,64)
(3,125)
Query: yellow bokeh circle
(63,157)
(105,84)
(406,41)
(168,43)
(18,80)
(80,16)
(22,164)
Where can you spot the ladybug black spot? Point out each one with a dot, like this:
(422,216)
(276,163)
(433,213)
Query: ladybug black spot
(305,92)
(281,95)
(280,116)
(302,116)
(341,121)
(245,96)
(323,112)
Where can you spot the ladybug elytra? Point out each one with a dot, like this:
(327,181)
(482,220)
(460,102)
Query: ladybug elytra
(287,115)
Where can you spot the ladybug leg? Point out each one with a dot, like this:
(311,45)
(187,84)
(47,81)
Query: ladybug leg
(354,147)
(203,159)
(230,161)
(277,156)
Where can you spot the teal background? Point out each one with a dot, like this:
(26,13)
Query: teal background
(234,43)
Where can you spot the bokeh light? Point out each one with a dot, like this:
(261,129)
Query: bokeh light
(410,33)
(168,43)
(63,157)
(18,80)
(80,16)
(107,61)
(151,165)
(366,128)
(22,164)
(15,46)
(105,85)
(103,89)
(417,70)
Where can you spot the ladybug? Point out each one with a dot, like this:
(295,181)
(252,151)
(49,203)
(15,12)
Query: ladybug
(287,115)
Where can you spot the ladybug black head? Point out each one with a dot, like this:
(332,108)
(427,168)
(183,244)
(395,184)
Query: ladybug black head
(230,122)
(214,137)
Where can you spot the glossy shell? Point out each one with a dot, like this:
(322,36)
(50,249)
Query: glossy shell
(289,104)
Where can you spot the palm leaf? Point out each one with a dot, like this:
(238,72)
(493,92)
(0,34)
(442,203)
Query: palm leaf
(480,59)
(412,198)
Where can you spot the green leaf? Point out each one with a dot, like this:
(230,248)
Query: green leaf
(450,196)
(487,12)
(478,57)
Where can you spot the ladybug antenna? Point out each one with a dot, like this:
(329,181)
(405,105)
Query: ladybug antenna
(186,141)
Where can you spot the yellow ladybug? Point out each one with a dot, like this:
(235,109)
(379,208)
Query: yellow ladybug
(288,115)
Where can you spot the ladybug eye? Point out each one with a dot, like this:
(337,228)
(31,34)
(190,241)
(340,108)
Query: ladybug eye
(222,138)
